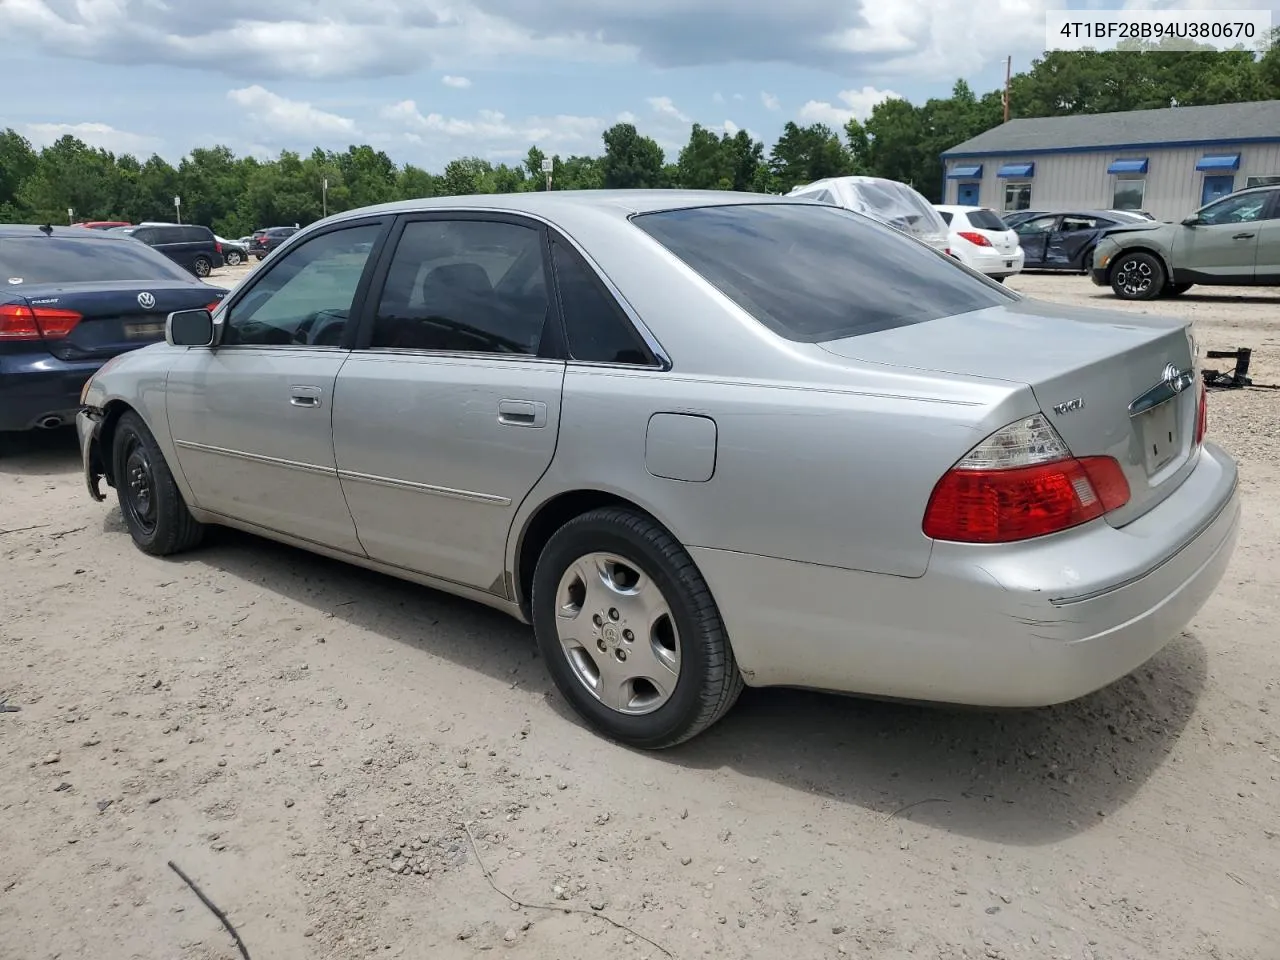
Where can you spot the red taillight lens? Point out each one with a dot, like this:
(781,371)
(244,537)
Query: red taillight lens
(977,239)
(217,246)
(214,306)
(1202,416)
(21,322)
(1019,483)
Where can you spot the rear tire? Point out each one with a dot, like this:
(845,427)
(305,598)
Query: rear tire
(150,502)
(233,259)
(1137,275)
(630,632)
(202,267)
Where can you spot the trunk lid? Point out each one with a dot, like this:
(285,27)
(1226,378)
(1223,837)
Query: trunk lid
(115,316)
(1097,375)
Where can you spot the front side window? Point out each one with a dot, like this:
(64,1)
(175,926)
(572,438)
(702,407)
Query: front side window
(464,286)
(1128,194)
(1017,195)
(1241,208)
(1038,225)
(306,298)
(816,273)
(597,329)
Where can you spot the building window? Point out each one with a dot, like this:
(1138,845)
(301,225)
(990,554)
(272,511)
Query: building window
(1017,195)
(1260,181)
(1129,193)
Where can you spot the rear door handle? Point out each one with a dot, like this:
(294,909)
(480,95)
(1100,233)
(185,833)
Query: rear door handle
(301,396)
(522,413)
(1243,236)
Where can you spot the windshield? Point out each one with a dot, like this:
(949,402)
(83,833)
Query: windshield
(814,273)
(25,260)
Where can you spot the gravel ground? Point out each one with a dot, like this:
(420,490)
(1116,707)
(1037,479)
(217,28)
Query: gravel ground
(305,740)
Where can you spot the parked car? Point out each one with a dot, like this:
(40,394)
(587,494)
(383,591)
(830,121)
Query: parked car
(233,251)
(1013,218)
(268,238)
(188,245)
(981,240)
(1066,240)
(71,300)
(888,201)
(1233,241)
(862,469)
(102,224)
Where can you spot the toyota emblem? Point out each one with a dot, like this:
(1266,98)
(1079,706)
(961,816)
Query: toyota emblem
(146,300)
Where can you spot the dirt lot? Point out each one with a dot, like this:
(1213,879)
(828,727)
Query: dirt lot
(304,739)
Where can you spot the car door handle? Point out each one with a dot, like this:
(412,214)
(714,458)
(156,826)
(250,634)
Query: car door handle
(305,396)
(1243,236)
(522,413)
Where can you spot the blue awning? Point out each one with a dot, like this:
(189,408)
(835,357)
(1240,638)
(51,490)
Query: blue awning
(1223,161)
(971,171)
(1128,166)
(1017,170)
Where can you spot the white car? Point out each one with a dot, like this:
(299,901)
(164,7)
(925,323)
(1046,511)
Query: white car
(982,241)
(888,201)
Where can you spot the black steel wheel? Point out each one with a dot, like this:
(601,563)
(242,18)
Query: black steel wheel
(153,509)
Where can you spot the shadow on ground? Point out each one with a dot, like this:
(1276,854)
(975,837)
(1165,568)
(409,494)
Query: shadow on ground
(1017,777)
(40,453)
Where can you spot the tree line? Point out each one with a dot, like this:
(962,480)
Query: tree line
(899,140)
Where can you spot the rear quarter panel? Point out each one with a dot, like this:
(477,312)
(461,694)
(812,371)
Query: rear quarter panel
(835,475)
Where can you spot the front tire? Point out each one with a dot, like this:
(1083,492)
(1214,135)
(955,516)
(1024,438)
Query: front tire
(629,630)
(1137,275)
(150,502)
(202,267)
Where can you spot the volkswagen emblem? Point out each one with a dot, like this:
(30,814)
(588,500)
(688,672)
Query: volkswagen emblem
(146,300)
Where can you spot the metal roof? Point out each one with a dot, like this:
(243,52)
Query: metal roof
(1256,121)
(620,202)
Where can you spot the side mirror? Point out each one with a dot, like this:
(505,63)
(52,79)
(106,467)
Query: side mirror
(189,328)
(1191,221)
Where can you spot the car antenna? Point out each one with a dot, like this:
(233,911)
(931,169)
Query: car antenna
(47,230)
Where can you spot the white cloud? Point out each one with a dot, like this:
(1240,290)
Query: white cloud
(717,97)
(492,132)
(282,116)
(737,96)
(730,127)
(770,101)
(664,106)
(857,104)
(95,135)
(626,116)
(460,83)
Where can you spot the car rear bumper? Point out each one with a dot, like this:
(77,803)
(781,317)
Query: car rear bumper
(1018,625)
(995,264)
(37,387)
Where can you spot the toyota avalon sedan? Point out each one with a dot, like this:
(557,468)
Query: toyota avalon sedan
(697,440)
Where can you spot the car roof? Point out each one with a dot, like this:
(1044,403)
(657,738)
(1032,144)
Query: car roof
(958,208)
(621,203)
(14,231)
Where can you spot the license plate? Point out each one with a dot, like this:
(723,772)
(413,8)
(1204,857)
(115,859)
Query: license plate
(1008,263)
(144,331)
(1160,435)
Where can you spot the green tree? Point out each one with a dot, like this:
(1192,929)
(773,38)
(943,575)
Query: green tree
(805,154)
(630,160)
(17,162)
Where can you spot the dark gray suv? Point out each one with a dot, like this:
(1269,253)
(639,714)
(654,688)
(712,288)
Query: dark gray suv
(189,245)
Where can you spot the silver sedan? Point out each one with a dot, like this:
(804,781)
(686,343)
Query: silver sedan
(696,440)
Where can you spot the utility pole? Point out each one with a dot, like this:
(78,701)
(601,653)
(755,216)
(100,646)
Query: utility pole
(1008,70)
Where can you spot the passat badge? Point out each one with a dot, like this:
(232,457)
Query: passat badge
(1069,406)
(146,300)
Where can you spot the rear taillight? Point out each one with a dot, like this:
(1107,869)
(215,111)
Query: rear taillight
(217,246)
(21,322)
(1202,415)
(213,306)
(1022,482)
(977,239)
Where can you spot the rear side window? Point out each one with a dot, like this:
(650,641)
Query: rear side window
(597,329)
(196,234)
(985,220)
(63,260)
(812,273)
(946,216)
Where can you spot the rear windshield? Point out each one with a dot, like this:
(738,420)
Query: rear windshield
(25,260)
(986,220)
(813,273)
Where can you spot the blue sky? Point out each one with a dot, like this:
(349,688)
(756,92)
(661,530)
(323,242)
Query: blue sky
(430,80)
